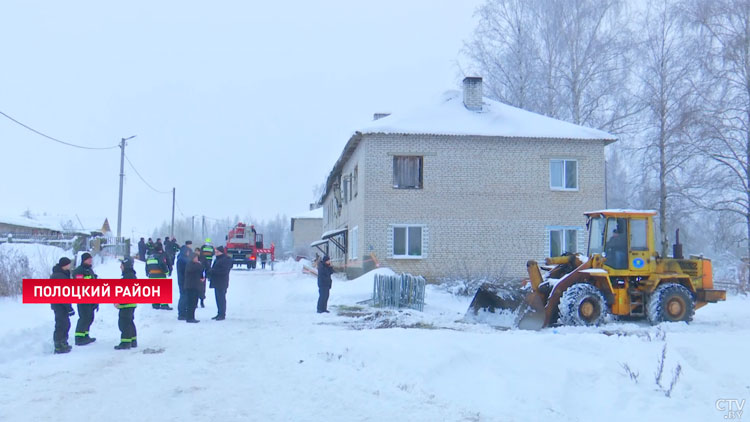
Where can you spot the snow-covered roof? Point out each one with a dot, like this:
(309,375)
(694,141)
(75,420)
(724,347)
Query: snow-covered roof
(60,223)
(28,222)
(316,213)
(450,117)
(331,233)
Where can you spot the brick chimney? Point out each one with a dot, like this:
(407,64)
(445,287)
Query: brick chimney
(378,116)
(473,93)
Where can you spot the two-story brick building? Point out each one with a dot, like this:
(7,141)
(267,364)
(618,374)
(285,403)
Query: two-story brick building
(465,186)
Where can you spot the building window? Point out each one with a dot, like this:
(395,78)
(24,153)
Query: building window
(407,241)
(355,181)
(346,192)
(562,241)
(407,172)
(353,241)
(563,174)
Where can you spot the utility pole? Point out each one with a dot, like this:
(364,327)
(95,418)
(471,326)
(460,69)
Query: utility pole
(173,197)
(192,227)
(122,176)
(203,230)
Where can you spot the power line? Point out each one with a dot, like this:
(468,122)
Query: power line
(55,139)
(179,209)
(144,180)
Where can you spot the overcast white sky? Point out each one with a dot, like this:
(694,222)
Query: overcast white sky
(242,106)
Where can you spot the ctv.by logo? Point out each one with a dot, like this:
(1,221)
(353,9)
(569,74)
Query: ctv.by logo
(732,407)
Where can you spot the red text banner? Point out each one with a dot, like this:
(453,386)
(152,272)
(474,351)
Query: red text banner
(148,290)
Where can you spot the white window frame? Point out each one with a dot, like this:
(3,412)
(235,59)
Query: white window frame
(353,241)
(393,228)
(563,229)
(563,188)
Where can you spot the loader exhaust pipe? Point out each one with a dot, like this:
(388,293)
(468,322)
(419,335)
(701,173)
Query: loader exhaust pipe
(677,247)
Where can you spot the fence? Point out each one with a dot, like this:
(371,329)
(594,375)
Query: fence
(394,291)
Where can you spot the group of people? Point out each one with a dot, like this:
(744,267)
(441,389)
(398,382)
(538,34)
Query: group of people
(193,268)
(63,311)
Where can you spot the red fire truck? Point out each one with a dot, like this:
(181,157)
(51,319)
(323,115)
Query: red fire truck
(245,246)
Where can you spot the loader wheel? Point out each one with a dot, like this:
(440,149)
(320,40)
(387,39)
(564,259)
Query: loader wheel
(582,304)
(671,302)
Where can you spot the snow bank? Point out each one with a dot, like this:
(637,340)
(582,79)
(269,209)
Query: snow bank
(41,257)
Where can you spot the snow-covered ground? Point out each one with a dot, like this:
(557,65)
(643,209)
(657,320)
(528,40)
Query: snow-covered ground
(41,257)
(275,359)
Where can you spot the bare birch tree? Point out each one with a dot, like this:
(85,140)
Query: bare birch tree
(725,134)
(503,48)
(567,59)
(669,103)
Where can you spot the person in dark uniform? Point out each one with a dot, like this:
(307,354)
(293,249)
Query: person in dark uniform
(63,311)
(126,321)
(202,296)
(168,254)
(183,259)
(142,250)
(172,253)
(86,311)
(219,277)
(195,283)
(324,283)
(156,267)
(149,247)
(263,258)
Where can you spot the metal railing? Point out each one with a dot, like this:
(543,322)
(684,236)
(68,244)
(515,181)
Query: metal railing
(399,291)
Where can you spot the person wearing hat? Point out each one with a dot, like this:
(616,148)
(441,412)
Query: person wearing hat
(142,249)
(126,320)
(149,247)
(63,311)
(219,277)
(156,267)
(195,283)
(86,311)
(324,283)
(183,259)
(202,296)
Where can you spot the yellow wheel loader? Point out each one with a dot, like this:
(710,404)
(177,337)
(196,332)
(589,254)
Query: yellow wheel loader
(622,275)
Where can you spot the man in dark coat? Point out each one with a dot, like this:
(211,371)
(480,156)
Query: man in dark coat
(63,311)
(126,320)
(324,283)
(86,311)
(149,247)
(202,296)
(194,284)
(219,276)
(142,250)
(168,253)
(156,267)
(183,258)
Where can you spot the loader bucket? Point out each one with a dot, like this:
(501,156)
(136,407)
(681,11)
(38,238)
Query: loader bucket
(507,307)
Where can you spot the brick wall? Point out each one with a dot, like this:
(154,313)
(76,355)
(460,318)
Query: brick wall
(486,204)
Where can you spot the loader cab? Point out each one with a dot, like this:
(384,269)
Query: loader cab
(624,238)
